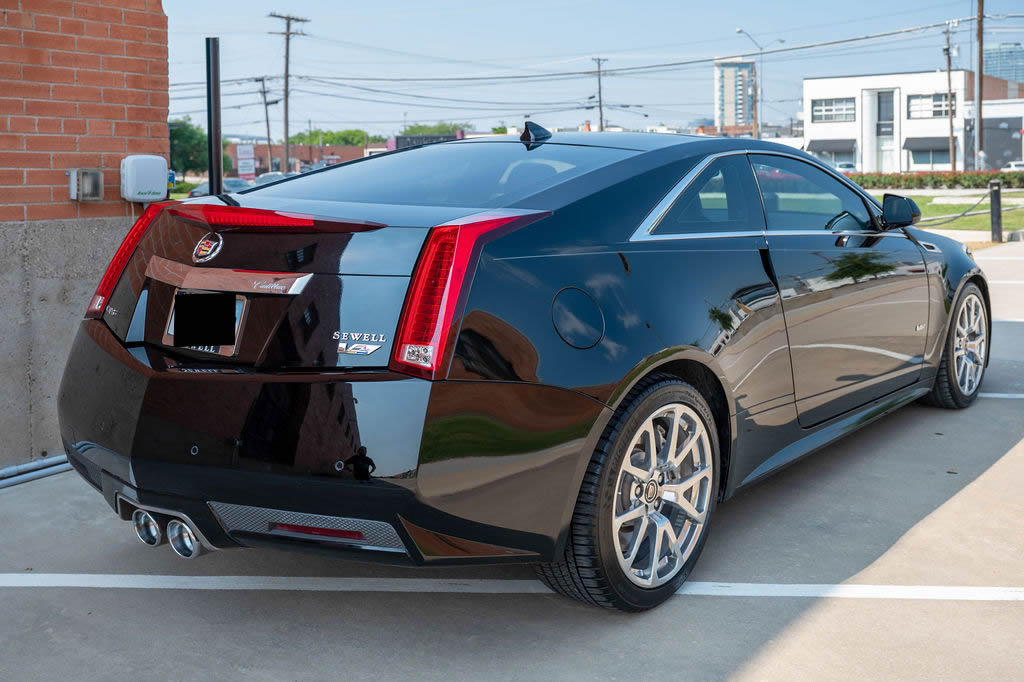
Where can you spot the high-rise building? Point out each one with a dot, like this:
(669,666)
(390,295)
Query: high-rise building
(734,92)
(1006,61)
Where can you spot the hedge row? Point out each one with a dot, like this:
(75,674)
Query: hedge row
(936,180)
(182,187)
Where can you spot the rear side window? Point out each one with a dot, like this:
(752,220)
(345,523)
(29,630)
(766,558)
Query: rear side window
(473,174)
(798,196)
(723,198)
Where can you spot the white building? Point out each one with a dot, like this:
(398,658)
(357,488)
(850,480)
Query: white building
(889,123)
(734,92)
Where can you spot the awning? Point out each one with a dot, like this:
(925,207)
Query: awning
(927,144)
(831,145)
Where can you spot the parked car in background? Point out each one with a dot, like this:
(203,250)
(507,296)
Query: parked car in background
(1013,166)
(563,351)
(272,176)
(230,185)
(846,167)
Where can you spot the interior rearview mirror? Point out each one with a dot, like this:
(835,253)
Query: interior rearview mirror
(899,211)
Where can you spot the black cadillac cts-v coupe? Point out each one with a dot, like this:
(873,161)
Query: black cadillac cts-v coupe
(563,350)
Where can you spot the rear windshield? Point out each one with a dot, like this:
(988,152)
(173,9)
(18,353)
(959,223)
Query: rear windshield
(475,174)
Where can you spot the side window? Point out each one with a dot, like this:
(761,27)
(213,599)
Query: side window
(798,196)
(723,198)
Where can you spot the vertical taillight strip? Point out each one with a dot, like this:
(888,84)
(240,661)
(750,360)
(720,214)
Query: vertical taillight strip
(120,260)
(438,289)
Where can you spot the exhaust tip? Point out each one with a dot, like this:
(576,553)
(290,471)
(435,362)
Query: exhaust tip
(148,528)
(183,539)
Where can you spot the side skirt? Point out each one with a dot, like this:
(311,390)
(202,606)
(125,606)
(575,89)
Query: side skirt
(832,431)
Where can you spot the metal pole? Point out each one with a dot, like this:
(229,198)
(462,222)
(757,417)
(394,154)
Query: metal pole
(266,115)
(215,150)
(949,102)
(978,84)
(996,209)
(757,121)
(600,98)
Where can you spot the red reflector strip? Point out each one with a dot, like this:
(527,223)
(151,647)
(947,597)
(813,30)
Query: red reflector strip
(313,530)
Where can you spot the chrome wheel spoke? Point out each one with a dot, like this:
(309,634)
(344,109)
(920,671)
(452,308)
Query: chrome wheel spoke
(664,494)
(969,344)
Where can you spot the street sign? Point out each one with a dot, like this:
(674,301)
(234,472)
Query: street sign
(246,162)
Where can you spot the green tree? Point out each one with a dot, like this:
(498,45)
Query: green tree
(439,128)
(353,137)
(500,130)
(226,163)
(188,146)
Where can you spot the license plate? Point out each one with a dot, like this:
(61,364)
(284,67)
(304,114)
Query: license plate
(206,322)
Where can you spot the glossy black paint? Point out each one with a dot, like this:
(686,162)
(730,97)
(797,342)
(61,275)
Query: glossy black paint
(562,318)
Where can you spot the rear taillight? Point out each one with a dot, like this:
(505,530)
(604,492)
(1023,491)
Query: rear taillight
(240,219)
(439,286)
(120,260)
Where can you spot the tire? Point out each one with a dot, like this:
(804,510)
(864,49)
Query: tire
(594,567)
(952,390)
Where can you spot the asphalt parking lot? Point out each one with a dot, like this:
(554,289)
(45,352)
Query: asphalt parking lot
(897,552)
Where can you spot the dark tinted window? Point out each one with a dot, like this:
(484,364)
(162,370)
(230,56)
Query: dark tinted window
(723,198)
(475,174)
(798,196)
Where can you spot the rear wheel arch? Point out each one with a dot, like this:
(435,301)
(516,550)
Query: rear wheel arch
(692,367)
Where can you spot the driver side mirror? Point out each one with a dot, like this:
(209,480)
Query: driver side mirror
(899,211)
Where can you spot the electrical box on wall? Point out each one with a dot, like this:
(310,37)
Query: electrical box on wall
(143,178)
(85,184)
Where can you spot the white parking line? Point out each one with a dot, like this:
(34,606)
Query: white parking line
(1005,396)
(1006,281)
(984,257)
(477,586)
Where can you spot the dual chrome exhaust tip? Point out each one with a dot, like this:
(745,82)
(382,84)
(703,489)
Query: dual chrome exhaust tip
(154,529)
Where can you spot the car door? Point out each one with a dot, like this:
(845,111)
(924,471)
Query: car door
(855,298)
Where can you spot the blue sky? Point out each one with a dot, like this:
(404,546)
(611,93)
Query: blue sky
(396,38)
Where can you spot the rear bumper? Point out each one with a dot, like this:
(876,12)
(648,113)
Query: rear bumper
(237,453)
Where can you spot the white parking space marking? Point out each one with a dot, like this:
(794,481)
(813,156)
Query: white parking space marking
(1005,396)
(983,257)
(476,586)
(1007,281)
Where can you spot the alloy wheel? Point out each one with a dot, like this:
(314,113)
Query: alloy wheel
(663,495)
(969,344)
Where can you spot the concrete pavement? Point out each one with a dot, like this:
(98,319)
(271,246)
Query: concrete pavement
(924,497)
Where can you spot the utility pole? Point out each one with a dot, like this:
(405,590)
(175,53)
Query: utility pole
(753,104)
(266,115)
(287,33)
(309,126)
(978,85)
(949,98)
(600,97)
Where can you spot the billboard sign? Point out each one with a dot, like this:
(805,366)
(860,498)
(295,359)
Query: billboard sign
(246,162)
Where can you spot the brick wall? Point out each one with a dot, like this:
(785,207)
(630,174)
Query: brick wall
(82,84)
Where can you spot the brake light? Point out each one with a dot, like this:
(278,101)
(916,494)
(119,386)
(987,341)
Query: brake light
(438,289)
(241,219)
(120,260)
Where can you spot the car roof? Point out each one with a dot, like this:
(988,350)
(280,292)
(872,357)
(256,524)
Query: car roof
(643,142)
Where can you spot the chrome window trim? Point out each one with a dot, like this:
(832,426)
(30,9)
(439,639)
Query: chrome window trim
(645,232)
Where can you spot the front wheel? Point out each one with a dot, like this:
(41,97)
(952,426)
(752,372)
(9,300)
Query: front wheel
(643,512)
(966,351)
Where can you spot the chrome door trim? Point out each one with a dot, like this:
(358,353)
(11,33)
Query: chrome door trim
(826,233)
(645,232)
